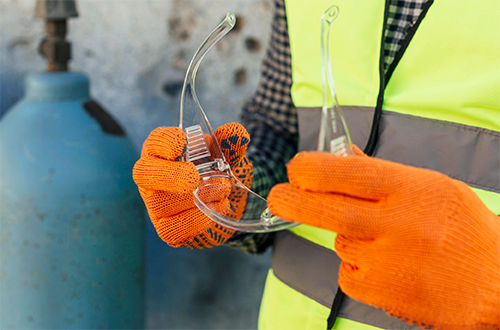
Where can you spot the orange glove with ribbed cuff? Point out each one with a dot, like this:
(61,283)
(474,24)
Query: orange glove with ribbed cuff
(166,185)
(413,242)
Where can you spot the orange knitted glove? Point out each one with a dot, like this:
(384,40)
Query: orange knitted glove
(166,185)
(413,242)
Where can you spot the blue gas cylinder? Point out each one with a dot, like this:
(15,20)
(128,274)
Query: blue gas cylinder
(72,221)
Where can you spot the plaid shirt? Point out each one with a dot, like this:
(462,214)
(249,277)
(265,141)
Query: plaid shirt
(271,118)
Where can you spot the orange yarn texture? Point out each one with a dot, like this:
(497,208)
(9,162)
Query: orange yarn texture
(166,185)
(413,242)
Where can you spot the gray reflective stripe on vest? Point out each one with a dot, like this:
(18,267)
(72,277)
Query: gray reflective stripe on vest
(466,153)
(359,121)
(313,271)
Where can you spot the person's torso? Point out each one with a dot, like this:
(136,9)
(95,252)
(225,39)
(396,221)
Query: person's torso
(438,108)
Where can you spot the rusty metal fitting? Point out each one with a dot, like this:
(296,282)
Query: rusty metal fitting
(54,47)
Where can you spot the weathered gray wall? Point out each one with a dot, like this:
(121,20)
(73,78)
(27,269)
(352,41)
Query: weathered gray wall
(136,53)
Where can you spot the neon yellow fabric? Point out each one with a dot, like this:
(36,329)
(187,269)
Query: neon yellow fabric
(460,85)
(357,79)
(299,313)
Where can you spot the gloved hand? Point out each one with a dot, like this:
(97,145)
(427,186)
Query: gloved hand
(166,185)
(413,242)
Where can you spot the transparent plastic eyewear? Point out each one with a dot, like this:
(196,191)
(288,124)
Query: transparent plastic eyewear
(218,185)
(333,134)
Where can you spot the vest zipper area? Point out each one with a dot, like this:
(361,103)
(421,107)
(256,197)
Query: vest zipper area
(370,147)
(386,76)
(406,41)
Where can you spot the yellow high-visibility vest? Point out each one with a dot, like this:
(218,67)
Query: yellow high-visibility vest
(439,109)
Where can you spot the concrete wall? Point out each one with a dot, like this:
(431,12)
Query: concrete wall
(136,53)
